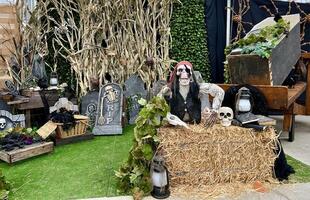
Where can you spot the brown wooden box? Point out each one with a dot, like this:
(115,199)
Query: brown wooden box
(26,152)
(252,69)
(79,129)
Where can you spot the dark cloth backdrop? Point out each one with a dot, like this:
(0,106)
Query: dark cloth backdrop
(215,13)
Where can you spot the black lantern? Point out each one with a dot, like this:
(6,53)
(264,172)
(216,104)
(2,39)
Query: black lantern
(160,180)
(243,100)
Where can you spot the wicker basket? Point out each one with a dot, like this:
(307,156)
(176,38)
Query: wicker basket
(79,129)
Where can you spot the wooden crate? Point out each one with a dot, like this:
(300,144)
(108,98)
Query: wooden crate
(252,69)
(26,152)
(79,129)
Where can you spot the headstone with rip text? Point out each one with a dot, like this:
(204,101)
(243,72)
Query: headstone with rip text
(110,107)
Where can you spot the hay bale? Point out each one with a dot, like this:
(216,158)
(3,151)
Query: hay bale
(218,155)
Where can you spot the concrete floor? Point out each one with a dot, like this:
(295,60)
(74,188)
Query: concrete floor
(299,149)
(298,191)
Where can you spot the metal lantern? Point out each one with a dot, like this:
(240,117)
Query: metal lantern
(243,101)
(54,79)
(160,180)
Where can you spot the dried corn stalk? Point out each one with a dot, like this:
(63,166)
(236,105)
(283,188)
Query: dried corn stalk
(27,39)
(134,30)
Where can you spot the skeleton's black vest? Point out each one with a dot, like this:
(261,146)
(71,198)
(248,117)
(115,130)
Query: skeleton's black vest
(179,106)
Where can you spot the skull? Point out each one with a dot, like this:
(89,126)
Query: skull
(2,123)
(184,73)
(226,115)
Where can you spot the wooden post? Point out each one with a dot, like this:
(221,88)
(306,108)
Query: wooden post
(28,118)
(288,118)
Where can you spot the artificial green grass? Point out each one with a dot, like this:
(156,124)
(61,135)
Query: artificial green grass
(85,170)
(302,171)
(80,170)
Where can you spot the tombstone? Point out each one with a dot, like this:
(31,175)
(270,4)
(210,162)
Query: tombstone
(110,108)
(158,86)
(134,90)
(198,77)
(89,105)
(7,120)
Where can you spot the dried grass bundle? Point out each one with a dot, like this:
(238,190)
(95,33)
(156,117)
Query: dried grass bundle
(214,161)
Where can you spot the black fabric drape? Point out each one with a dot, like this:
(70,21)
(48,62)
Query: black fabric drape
(216,22)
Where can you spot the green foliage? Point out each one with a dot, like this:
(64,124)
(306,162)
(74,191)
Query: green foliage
(260,43)
(189,36)
(134,175)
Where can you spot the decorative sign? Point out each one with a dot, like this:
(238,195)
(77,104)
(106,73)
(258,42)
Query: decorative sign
(134,90)
(109,117)
(89,106)
(7,120)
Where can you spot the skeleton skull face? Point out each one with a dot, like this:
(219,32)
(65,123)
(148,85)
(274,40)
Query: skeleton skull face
(184,73)
(2,123)
(226,115)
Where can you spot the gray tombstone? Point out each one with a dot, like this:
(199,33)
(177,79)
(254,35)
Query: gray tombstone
(198,77)
(158,85)
(7,120)
(110,108)
(89,106)
(134,90)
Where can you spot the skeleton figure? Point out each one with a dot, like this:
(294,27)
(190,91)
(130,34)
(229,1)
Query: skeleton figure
(111,94)
(2,123)
(188,99)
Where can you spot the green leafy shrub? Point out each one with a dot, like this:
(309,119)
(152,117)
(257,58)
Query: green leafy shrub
(189,35)
(134,175)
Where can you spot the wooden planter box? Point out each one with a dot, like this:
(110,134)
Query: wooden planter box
(26,152)
(79,129)
(252,69)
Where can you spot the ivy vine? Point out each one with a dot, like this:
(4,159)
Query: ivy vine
(134,175)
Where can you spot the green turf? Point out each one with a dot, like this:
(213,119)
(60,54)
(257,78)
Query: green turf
(302,171)
(79,170)
(84,170)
